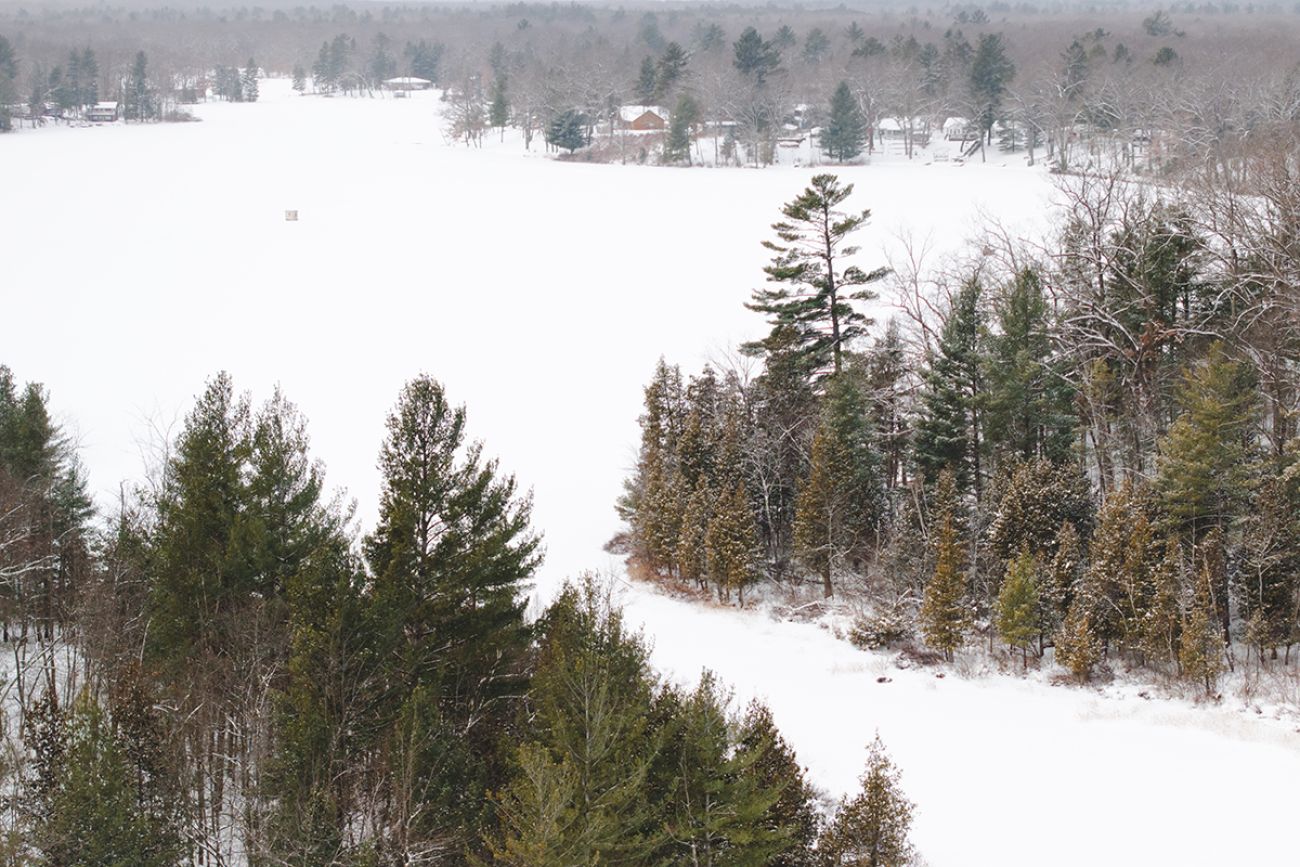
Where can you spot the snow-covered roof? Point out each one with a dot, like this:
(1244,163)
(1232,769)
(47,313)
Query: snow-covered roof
(889,124)
(107,106)
(955,123)
(629,113)
(406,79)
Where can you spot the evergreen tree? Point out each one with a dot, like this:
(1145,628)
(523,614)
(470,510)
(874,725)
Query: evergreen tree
(816,45)
(814,303)
(991,72)
(678,147)
(201,579)
(1018,605)
(755,57)
(450,557)
(845,133)
(580,797)
(568,130)
(670,71)
(948,431)
(299,78)
(1208,463)
(1201,646)
(1077,646)
(943,607)
(1161,625)
(139,95)
(249,81)
(93,809)
(1268,586)
(647,85)
(1029,401)
(718,799)
(871,829)
(1037,499)
(1059,580)
(692,541)
(841,504)
(325,711)
(499,108)
(777,770)
(730,543)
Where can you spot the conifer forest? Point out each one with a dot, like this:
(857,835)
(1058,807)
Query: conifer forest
(689,434)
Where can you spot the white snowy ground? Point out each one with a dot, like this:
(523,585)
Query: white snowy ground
(137,261)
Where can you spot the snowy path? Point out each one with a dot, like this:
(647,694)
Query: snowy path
(1005,773)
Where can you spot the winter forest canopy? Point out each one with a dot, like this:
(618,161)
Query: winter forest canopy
(1066,458)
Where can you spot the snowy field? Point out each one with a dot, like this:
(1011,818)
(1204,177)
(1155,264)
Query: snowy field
(137,261)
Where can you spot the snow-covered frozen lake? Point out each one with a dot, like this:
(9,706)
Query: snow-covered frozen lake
(137,261)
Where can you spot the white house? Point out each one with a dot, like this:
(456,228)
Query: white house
(956,129)
(406,82)
(102,112)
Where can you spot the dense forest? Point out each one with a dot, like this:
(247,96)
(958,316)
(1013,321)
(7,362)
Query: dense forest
(1088,444)
(221,672)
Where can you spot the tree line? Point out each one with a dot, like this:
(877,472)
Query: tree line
(1087,445)
(222,671)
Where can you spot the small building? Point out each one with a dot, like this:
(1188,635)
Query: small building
(407,83)
(102,112)
(643,118)
(957,129)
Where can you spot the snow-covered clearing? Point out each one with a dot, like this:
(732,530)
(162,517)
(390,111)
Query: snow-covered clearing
(136,261)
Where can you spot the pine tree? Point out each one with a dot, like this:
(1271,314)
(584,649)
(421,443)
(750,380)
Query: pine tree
(871,829)
(139,96)
(249,81)
(845,133)
(943,607)
(991,72)
(568,130)
(670,71)
(451,554)
(840,505)
(948,431)
(646,84)
(581,795)
(777,770)
(299,78)
(654,499)
(814,303)
(499,108)
(717,800)
(678,147)
(1029,401)
(1018,605)
(1208,463)
(1117,586)
(755,57)
(202,582)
